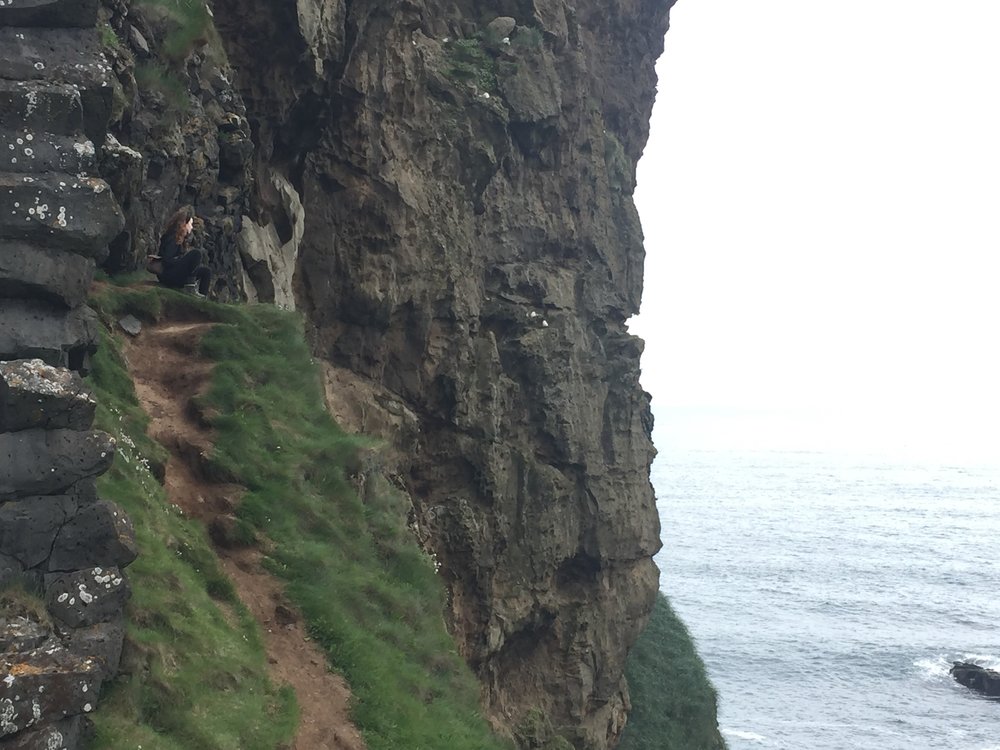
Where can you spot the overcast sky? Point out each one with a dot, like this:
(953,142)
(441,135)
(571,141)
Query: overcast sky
(821,201)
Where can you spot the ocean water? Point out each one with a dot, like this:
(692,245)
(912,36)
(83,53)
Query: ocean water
(829,594)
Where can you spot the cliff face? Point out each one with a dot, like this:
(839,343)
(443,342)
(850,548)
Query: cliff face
(469,251)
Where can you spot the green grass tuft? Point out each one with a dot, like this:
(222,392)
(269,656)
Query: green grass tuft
(673,703)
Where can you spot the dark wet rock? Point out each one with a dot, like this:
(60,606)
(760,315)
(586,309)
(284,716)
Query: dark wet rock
(10,570)
(37,462)
(34,394)
(70,733)
(102,642)
(131,325)
(37,272)
(36,330)
(99,534)
(82,13)
(29,526)
(62,211)
(39,106)
(39,152)
(19,634)
(86,597)
(45,685)
(977,677)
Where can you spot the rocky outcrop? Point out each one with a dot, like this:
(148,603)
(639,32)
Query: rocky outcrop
(470,247)
(60,546)
(977,677)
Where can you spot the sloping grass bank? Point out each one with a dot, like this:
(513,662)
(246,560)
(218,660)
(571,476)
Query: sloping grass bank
(194,673)
(369,595)
(674,706)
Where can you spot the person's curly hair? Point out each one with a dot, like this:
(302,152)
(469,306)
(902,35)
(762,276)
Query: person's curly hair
(176,224)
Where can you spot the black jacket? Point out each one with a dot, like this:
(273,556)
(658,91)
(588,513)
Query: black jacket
(170,251)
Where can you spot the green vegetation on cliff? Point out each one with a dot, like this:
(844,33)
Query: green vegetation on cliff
(673,702)
(194,675)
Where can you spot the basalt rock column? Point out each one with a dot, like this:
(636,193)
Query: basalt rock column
(59,542)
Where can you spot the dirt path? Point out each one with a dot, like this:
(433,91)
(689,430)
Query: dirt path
(167,373)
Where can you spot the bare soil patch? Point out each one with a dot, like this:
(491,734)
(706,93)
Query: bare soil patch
(168,373)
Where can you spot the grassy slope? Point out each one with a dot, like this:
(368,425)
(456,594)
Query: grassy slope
(673,703)
(194,671)
(369,595)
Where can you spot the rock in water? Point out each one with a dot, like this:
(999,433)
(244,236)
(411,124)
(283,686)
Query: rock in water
(976,677)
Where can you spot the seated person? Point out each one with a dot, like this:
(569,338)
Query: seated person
(180,262)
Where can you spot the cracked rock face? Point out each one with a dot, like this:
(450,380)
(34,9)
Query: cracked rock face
(471,247)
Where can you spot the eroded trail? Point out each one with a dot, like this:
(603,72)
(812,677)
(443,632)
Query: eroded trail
(167,371)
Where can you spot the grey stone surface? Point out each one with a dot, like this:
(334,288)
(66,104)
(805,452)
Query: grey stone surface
(41,462)
(45,685)
(102,642)
(30,330)
(39,106)
(61,211)
(38,151)
(83,598)
(131,325)
(19,634)
(68,734)
(99,534)
(63,55)
(29,526)
(34,394)
(10,570)
(36,272)
(46,13)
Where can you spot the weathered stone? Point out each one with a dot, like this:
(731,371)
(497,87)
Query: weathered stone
(67,734)
(99,534)
(10,570)
(86,597)
(321,23)
(531,86)
(45,685)
(131,325)
(61,211)
(977,677)
(36,330)
(28,526)
(102,642)
(81,13)
(138,41)
(19,634)
(38,106)
(34,394)
(36,272)
(28,152)
(500,28)
(42,462)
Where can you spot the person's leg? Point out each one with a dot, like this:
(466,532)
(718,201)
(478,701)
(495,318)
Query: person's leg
(178,272)
(204,277)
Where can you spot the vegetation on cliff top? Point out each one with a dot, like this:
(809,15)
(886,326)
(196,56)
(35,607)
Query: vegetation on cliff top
(673,703)
(194,675)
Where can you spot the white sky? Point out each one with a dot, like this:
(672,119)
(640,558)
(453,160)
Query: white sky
(821,201)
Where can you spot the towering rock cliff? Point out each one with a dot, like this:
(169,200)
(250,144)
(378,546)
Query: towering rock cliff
(444,190)
(470,254)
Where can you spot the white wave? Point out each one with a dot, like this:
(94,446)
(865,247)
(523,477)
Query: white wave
(934,668)
(752,736)
(984,660)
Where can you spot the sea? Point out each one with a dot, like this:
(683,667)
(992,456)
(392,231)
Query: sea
(829,593)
